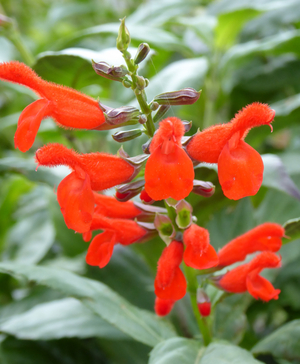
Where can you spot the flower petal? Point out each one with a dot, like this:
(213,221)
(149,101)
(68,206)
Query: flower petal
(240,170)
(163,307)
(101,249)
(199,259)
(176,290)
(260,287)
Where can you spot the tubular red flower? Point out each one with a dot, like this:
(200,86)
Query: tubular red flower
(110,207)
(101,249)
(163,307)
(169,171)
(240,167)
(199,254)
(265,237)
(170,282)
(246,277)
(68,107)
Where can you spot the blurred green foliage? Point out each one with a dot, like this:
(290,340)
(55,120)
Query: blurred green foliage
(237,52)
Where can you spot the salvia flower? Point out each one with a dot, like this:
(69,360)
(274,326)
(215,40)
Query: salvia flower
(199,254)
(163,307)
(169,171)
(265,237)
(90,172)
(68,107)
(246,277)
(170,283)
(240,167)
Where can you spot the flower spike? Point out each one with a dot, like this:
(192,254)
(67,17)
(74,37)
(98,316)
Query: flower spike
(68,107)
(169,171)
(240,167)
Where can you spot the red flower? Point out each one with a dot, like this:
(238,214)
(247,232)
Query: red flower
(170,283)
(169,171)
(199,254)
(163,307)
(204,308)
(246,277)
(240,167)
(68,107)
(264,237)
(116,231)
(91,172)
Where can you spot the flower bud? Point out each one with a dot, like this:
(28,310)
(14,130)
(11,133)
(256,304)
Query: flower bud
(203,303)
(202,188)
(124,136)
(126,83)
(186,96)
(165,228)
(126,191)
(140,82)
(160,112)
(154,106)
(142,52)
(112,73)
(142,119)
(184,214)
(122,115)
(123,39)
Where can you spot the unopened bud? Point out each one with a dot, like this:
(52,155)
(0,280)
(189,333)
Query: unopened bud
(184,214)
(186,96)
(126,191)
(121,115)
(126,83)
(202,188)
(165,228)
(123,39)
(160,112)
(154,106)
(142,119)
(140,81)
(142,52)
(112,73)
(203,303)
(124,136)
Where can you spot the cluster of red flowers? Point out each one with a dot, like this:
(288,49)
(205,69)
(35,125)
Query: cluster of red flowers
(169,173)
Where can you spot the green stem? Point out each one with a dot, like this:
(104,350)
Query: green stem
(140,94)
(14,36)
(190,274)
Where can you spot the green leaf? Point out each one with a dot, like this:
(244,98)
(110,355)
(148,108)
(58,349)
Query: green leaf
(276,176)
(177,351)
(67,317)
(141,325)
(225,353)
(282,343)
(292,230)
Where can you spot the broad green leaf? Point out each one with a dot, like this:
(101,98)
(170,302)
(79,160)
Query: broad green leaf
(177,351)
(282,343)
(141,325)
(276,176)
(292,230)
(225,353)
(53,320)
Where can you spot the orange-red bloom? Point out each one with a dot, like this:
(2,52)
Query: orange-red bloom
(163,307)
(199,254)
(91,172)
(170,283)
(169,171)
(246,277)
(240,167)
(265,237)
(116,231)
(68,107)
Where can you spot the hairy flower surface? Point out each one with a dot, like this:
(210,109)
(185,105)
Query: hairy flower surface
(68,107)
(91,172)
(246,277)
(169,170)
(240,167)
(199,254)
(265,237)
(170,282)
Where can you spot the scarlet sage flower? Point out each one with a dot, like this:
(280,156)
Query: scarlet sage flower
(246,277)
(199,254)
(91,172)
(68,107)
(240,167)
(116,231)
(265,237)
(163,307)
(170,283)
(169,171)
